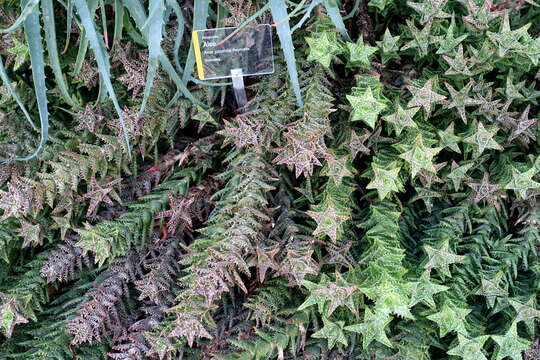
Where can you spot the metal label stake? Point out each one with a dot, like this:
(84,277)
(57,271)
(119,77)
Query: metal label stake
(239,89)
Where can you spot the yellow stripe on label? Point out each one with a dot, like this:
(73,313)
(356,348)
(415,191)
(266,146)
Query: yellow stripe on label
(198,56)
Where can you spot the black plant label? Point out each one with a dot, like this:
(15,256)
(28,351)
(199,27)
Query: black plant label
(220,51)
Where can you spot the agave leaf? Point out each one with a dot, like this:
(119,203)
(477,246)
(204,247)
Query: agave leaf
(250,20)
(81,53)
(298,8)
(102,59)
(83,42)
(333,11)
(52,49)
(173,4)
(32,30)
(281,18)
(222,13)
(12,92)
(153,27)
(134,34)
(354,10)
(104,22)
(118,21)
(26,11)
(69,21)
(136,11)
(200,15)
(306,15)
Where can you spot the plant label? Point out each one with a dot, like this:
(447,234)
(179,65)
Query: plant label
(218,51)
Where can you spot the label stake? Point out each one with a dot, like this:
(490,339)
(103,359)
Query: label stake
(239,88)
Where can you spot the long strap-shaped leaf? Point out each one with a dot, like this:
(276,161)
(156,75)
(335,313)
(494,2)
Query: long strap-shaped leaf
(102,59)
(173,4)
(153,28)
(69,21)
(306,16)
(222,13)
(332,9)
(138,14)
(52,49)
(118,21)
(248,21)
(279,12)
(11,91)
(353,11)
(32,29)
(83,41)
(81,53)
(26,11)
(200,15)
